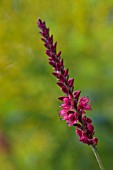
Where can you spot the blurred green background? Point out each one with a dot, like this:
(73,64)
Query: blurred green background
(32,137)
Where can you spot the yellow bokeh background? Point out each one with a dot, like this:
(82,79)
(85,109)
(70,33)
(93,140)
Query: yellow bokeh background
(32,137)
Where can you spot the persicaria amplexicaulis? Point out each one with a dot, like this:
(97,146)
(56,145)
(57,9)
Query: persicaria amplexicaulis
(73,108)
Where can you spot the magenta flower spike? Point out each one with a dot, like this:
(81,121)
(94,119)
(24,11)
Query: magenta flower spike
(73,108)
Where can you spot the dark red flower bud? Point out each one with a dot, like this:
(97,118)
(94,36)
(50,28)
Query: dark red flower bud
(71,82)
(61,62)
(66,72)
(53,47)
(61,78)
(79,132)
(49,53)
(60,84)
(59,53)
(52,63)
(39,23)
(50,39)
(90,127)
(61,97)
(64,89)
(56,74)
(46,45)
(43,39)
(95,141)
(77,94)
(58,67)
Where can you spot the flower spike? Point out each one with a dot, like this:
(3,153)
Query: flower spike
(73,110)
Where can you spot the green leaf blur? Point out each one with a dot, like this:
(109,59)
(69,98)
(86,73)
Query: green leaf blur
(32,137)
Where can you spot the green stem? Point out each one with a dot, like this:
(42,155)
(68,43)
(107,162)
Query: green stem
(97,157)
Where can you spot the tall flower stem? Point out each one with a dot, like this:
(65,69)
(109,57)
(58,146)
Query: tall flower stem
(97,157)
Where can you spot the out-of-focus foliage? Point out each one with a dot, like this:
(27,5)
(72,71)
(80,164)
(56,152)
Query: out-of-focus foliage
(32,137)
